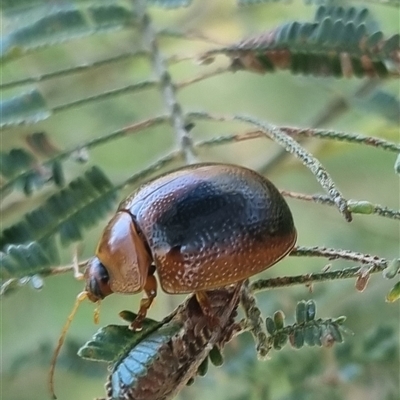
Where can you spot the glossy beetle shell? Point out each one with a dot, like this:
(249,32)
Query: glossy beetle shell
(211,225)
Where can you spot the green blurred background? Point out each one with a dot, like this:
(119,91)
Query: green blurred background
(366,366)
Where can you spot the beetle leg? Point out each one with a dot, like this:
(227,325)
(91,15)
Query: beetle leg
(150,289)
(205,305)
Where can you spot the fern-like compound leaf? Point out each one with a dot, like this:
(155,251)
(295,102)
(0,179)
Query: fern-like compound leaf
(29,246)
(336,44)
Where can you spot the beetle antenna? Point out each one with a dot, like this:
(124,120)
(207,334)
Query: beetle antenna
(79,299)
(96,316)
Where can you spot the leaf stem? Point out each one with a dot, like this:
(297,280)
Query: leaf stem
(356,206)
(151,169)
(377,265)
(318,133)
(201,77)
(73,70)
(187,35)
(168,89)
(334,254)
(135,87)
(254,321)
(342,137)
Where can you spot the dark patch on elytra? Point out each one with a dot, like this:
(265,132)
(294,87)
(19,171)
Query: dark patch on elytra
(221,212)
(199,215)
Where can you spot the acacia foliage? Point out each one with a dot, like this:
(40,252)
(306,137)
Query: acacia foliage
(59,199)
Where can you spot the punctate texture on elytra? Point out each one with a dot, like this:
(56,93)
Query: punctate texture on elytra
(211,225)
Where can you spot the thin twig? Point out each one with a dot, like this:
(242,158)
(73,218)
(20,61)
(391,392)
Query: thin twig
(334,254)
(151,169)
(67,268)
(187,35)
(355,206)
(376,264)
(307,279)
(343,137)
(254,321)
(135,87)
(73,70)
(199,78)
(318,133)
(149,39)
(12,283)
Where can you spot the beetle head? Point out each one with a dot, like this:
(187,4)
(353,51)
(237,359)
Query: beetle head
(123,254)
(97,280)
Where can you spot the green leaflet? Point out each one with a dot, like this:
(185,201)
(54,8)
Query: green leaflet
(169,3)
(252,2)
(301,312)
(80,205)
(394,293)
(356,15)
(19,160)
(18,261)
(112,342)
(330,46)
(15,161)
(392,269)
(17,7)
(61,25)
(394,3)
(307,330)
(11,8)
(29,246)
(28,107)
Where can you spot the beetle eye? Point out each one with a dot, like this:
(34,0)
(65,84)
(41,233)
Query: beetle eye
(102,273)
(97,280)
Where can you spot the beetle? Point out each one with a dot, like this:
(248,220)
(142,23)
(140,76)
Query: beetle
(201,227)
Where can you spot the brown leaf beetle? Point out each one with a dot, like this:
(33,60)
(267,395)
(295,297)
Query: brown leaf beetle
(201,227)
